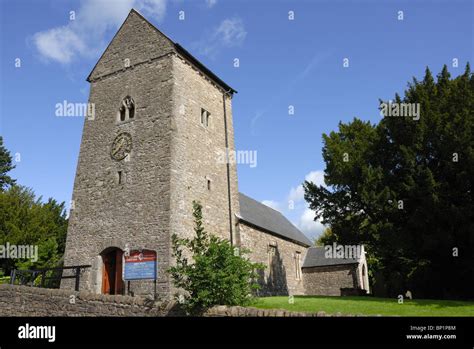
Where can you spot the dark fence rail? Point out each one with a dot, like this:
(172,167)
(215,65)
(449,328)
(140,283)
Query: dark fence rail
(50,277)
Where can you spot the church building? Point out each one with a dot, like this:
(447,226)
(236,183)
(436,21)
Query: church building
(161,120)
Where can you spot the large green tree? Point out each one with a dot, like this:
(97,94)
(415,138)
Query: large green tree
(404,188)
(26,220)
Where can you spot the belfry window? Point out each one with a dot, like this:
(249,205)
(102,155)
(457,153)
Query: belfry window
(131,109)
(127,109)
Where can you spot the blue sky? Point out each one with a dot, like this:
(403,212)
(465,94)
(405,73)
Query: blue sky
(283,62)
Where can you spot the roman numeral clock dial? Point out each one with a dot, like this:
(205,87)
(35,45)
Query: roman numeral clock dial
(121,146)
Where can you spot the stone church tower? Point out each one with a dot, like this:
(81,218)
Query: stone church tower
(161,122)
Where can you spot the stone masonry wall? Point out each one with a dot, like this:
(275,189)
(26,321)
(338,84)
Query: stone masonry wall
(32,301)
(195,153)
(283,280)
(328,281)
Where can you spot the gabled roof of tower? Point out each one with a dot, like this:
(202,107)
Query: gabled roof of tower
(270,220)
(179,49)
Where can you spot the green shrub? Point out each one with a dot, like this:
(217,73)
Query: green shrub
(217,274)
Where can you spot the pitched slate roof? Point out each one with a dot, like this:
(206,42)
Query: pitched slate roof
(315,257)
(270,220)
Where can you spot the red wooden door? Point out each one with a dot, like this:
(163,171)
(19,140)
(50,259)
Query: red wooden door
(106,274)
(112,282)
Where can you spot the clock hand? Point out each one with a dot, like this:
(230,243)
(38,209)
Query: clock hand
(118,146)
(115,151)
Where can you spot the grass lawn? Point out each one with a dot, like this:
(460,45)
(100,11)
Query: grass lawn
(369,306)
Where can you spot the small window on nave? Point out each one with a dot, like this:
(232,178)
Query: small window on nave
(205,117)
(126,110)
(298,265)
(271,252)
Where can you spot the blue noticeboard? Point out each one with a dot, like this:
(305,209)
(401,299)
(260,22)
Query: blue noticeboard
(140,271)
(140,267)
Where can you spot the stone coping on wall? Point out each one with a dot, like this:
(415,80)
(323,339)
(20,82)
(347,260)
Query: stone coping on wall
(237,311)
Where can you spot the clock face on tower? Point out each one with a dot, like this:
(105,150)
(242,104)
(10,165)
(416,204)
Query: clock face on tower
(121,146)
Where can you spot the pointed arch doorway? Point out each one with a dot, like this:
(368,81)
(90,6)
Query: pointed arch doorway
(112,282)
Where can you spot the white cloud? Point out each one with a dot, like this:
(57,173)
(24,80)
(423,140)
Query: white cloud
(273,204)
(297,193)
(230,33)
(59,44)
(152,8)
(309,226)
(306,222)
(211,3)
(84,36)
(317,177)
(302,215)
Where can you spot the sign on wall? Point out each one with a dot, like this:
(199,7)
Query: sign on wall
(140,265)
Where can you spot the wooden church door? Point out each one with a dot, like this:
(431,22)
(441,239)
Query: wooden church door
(112,282)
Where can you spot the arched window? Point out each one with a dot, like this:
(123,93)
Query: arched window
(127,109)
(131,107)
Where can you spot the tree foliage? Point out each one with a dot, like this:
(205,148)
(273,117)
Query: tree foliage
(25,220)
(5,167)
(209,270)
(325,238)
(404,188)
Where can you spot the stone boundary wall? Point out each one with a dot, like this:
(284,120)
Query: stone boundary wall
(33,301)
(236,311)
